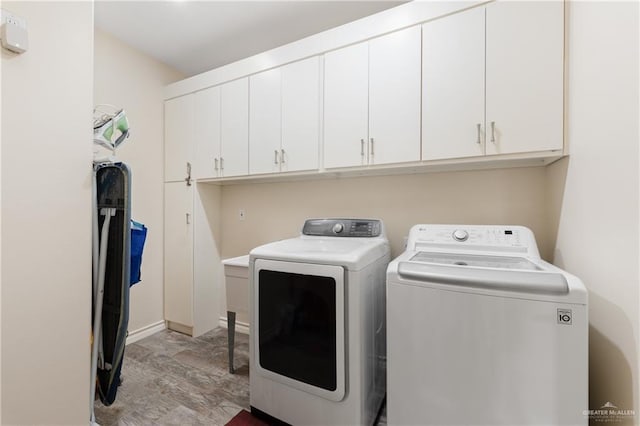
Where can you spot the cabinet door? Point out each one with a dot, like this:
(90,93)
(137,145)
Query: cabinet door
(234,139)
(178,137)
(524,57)
(394,97)
(178,253)
(206,162)
(346,97)
(300,115)
(453,86)
(265,122)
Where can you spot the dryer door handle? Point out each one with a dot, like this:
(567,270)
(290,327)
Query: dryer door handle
(503,280)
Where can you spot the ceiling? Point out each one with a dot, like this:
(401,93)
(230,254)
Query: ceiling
(196,36)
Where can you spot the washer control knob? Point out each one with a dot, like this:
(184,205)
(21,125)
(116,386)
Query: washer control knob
(338,228)
(460,235)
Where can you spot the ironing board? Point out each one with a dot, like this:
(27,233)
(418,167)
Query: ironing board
(111,294)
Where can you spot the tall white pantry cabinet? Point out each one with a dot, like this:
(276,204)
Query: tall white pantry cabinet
(190,285)
(435,84)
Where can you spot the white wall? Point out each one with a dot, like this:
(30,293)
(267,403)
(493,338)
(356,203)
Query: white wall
(593,197)
(127,78)
(46,216)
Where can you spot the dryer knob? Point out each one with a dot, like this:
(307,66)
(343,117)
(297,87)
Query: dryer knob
(460,235)
(338,228)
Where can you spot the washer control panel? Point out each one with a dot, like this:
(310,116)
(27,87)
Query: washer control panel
(460,235)
(343,227)
(512,238)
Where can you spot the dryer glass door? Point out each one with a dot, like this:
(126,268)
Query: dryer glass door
(300,325)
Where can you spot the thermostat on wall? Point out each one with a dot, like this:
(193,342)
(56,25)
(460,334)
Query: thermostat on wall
(13,32)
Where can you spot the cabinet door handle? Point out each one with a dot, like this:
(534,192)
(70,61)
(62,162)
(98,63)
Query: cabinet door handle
(493,132)
(188,218)
(215,163)
(362,147)
(221,163)
(479,141)
(372,152)
(275,157)
(188,178)
(282,156)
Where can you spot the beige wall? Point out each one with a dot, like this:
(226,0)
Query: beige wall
(46,216)
(126,78)
(278,210)
(593,196)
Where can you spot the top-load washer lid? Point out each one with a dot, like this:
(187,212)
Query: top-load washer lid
(494,260)
(500,262)
(483,272)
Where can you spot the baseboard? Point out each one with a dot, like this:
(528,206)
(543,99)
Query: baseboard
(143,332)
(180,328)
(241,327)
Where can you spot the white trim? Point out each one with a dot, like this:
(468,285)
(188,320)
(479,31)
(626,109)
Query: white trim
(146,331)
(241,327)
(501,161)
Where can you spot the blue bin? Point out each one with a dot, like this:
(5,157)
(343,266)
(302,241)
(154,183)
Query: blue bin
(138,237)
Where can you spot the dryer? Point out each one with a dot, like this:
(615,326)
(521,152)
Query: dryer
(482,331)
(317,340)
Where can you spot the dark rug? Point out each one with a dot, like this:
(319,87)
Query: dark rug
(244,418)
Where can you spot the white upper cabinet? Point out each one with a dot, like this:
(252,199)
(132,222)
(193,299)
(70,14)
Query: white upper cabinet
(346,106)
(265,117)
(372,101)
(496,94)
(453,86)
(300,115)
(394,97)
(178,137)
(524,83)
(206,163)
(478,81)
(234,132)
(284,117)
(222,130)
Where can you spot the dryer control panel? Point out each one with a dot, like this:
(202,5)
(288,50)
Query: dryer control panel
(343,227)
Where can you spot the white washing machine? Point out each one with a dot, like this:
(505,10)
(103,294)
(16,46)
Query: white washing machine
(481,331)
(317,338)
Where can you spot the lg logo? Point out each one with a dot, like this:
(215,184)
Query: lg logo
(564,316)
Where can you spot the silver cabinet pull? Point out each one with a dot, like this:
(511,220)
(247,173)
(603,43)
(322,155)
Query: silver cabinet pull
(215,164)
(372,152)
(479,141)
(188,218)
(362,147)
(282,156)
(493,132)
(188,178)
(275,158)
(221,163)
